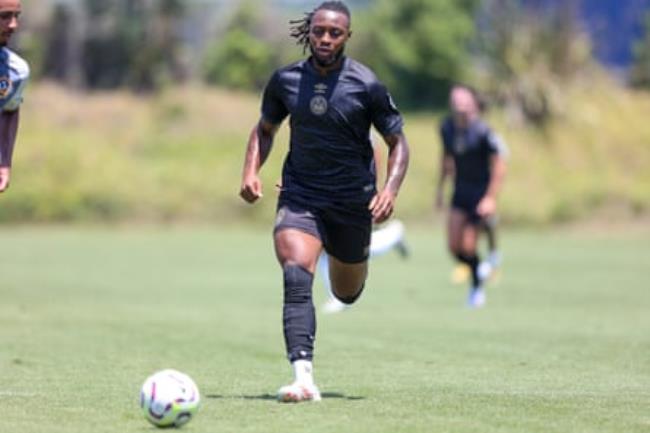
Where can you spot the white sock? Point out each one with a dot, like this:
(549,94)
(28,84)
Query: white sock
(303,371)
(385,238)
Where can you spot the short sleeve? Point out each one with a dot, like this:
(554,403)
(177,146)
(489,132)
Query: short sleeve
(13,81)
(273,108)
(384,114)
(496,145)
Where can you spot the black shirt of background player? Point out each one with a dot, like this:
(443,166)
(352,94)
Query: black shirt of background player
(471,149)
(330,156)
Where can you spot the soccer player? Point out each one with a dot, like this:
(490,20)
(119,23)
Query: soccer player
(14,73)
(328,198)
(475,157)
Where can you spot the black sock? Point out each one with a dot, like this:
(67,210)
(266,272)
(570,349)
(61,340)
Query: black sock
(473,262)
(299,316)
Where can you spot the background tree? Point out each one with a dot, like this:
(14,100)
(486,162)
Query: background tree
(242,58)
(525,56)
(640,73)
(418,47)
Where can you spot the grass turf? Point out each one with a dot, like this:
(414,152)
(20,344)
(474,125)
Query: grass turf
(87,314)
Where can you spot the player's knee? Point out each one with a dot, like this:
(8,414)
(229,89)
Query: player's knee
(297,284)
(350,299)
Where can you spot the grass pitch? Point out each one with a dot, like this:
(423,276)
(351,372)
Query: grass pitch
(86,315)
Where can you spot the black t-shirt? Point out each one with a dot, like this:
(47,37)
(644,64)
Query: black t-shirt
(471,149)
(330,155)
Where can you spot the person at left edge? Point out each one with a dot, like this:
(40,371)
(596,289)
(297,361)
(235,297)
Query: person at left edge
(14,73)
(328,198)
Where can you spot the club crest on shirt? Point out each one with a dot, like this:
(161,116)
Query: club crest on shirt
(318,105)
(460,144)
(5,87)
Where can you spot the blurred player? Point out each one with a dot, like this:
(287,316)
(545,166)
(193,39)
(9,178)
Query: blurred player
(329,199)
(475,157)
(14,73)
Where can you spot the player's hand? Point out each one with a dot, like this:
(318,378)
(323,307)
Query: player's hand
(487,206)
(5,175)
(381,206)
(251,188)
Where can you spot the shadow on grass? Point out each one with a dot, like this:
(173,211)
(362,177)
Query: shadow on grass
(325,395)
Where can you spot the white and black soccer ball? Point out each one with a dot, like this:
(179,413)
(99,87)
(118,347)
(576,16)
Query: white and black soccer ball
(169,398)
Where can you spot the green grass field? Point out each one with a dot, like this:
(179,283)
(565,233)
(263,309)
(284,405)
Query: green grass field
(87,314)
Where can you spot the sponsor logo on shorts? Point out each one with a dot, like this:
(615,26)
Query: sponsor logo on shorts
(318,105)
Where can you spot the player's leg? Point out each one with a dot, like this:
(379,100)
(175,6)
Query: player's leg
(490,225)
(332,305)
(348,279)
(462,242)
(348,233)
(298,245)
(382,240)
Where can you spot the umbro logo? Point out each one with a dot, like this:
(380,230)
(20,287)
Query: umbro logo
(320,88)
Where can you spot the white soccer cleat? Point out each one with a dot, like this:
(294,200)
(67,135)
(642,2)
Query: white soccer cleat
(476,298)
(297,392)
(333,306)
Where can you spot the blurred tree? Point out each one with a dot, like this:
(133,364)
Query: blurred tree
(242,58)
(105,45)
(418,47)
(640,72)
(525,56)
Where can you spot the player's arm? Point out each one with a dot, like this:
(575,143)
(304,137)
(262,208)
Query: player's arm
(446,171)
(383,203)
(259,147)
(488,204)
(8,130)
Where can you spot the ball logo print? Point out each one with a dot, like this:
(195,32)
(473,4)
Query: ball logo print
(5,86)
(169,398)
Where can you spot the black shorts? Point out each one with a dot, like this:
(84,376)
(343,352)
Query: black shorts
(466,199)
(343,228)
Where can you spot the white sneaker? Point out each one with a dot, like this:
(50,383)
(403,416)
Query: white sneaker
(297,392)
(476,298)
(333,306)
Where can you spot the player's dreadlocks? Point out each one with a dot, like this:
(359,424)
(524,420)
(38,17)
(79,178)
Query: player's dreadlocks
(300,28)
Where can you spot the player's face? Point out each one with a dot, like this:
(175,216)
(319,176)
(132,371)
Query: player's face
(328,34)
(9,13)
(463,106)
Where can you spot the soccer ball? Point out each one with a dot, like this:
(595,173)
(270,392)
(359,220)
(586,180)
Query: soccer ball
(169,398)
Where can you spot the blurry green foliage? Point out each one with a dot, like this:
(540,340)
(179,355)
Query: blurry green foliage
(525,57)
(418,47)
(241,58)
(107,45)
